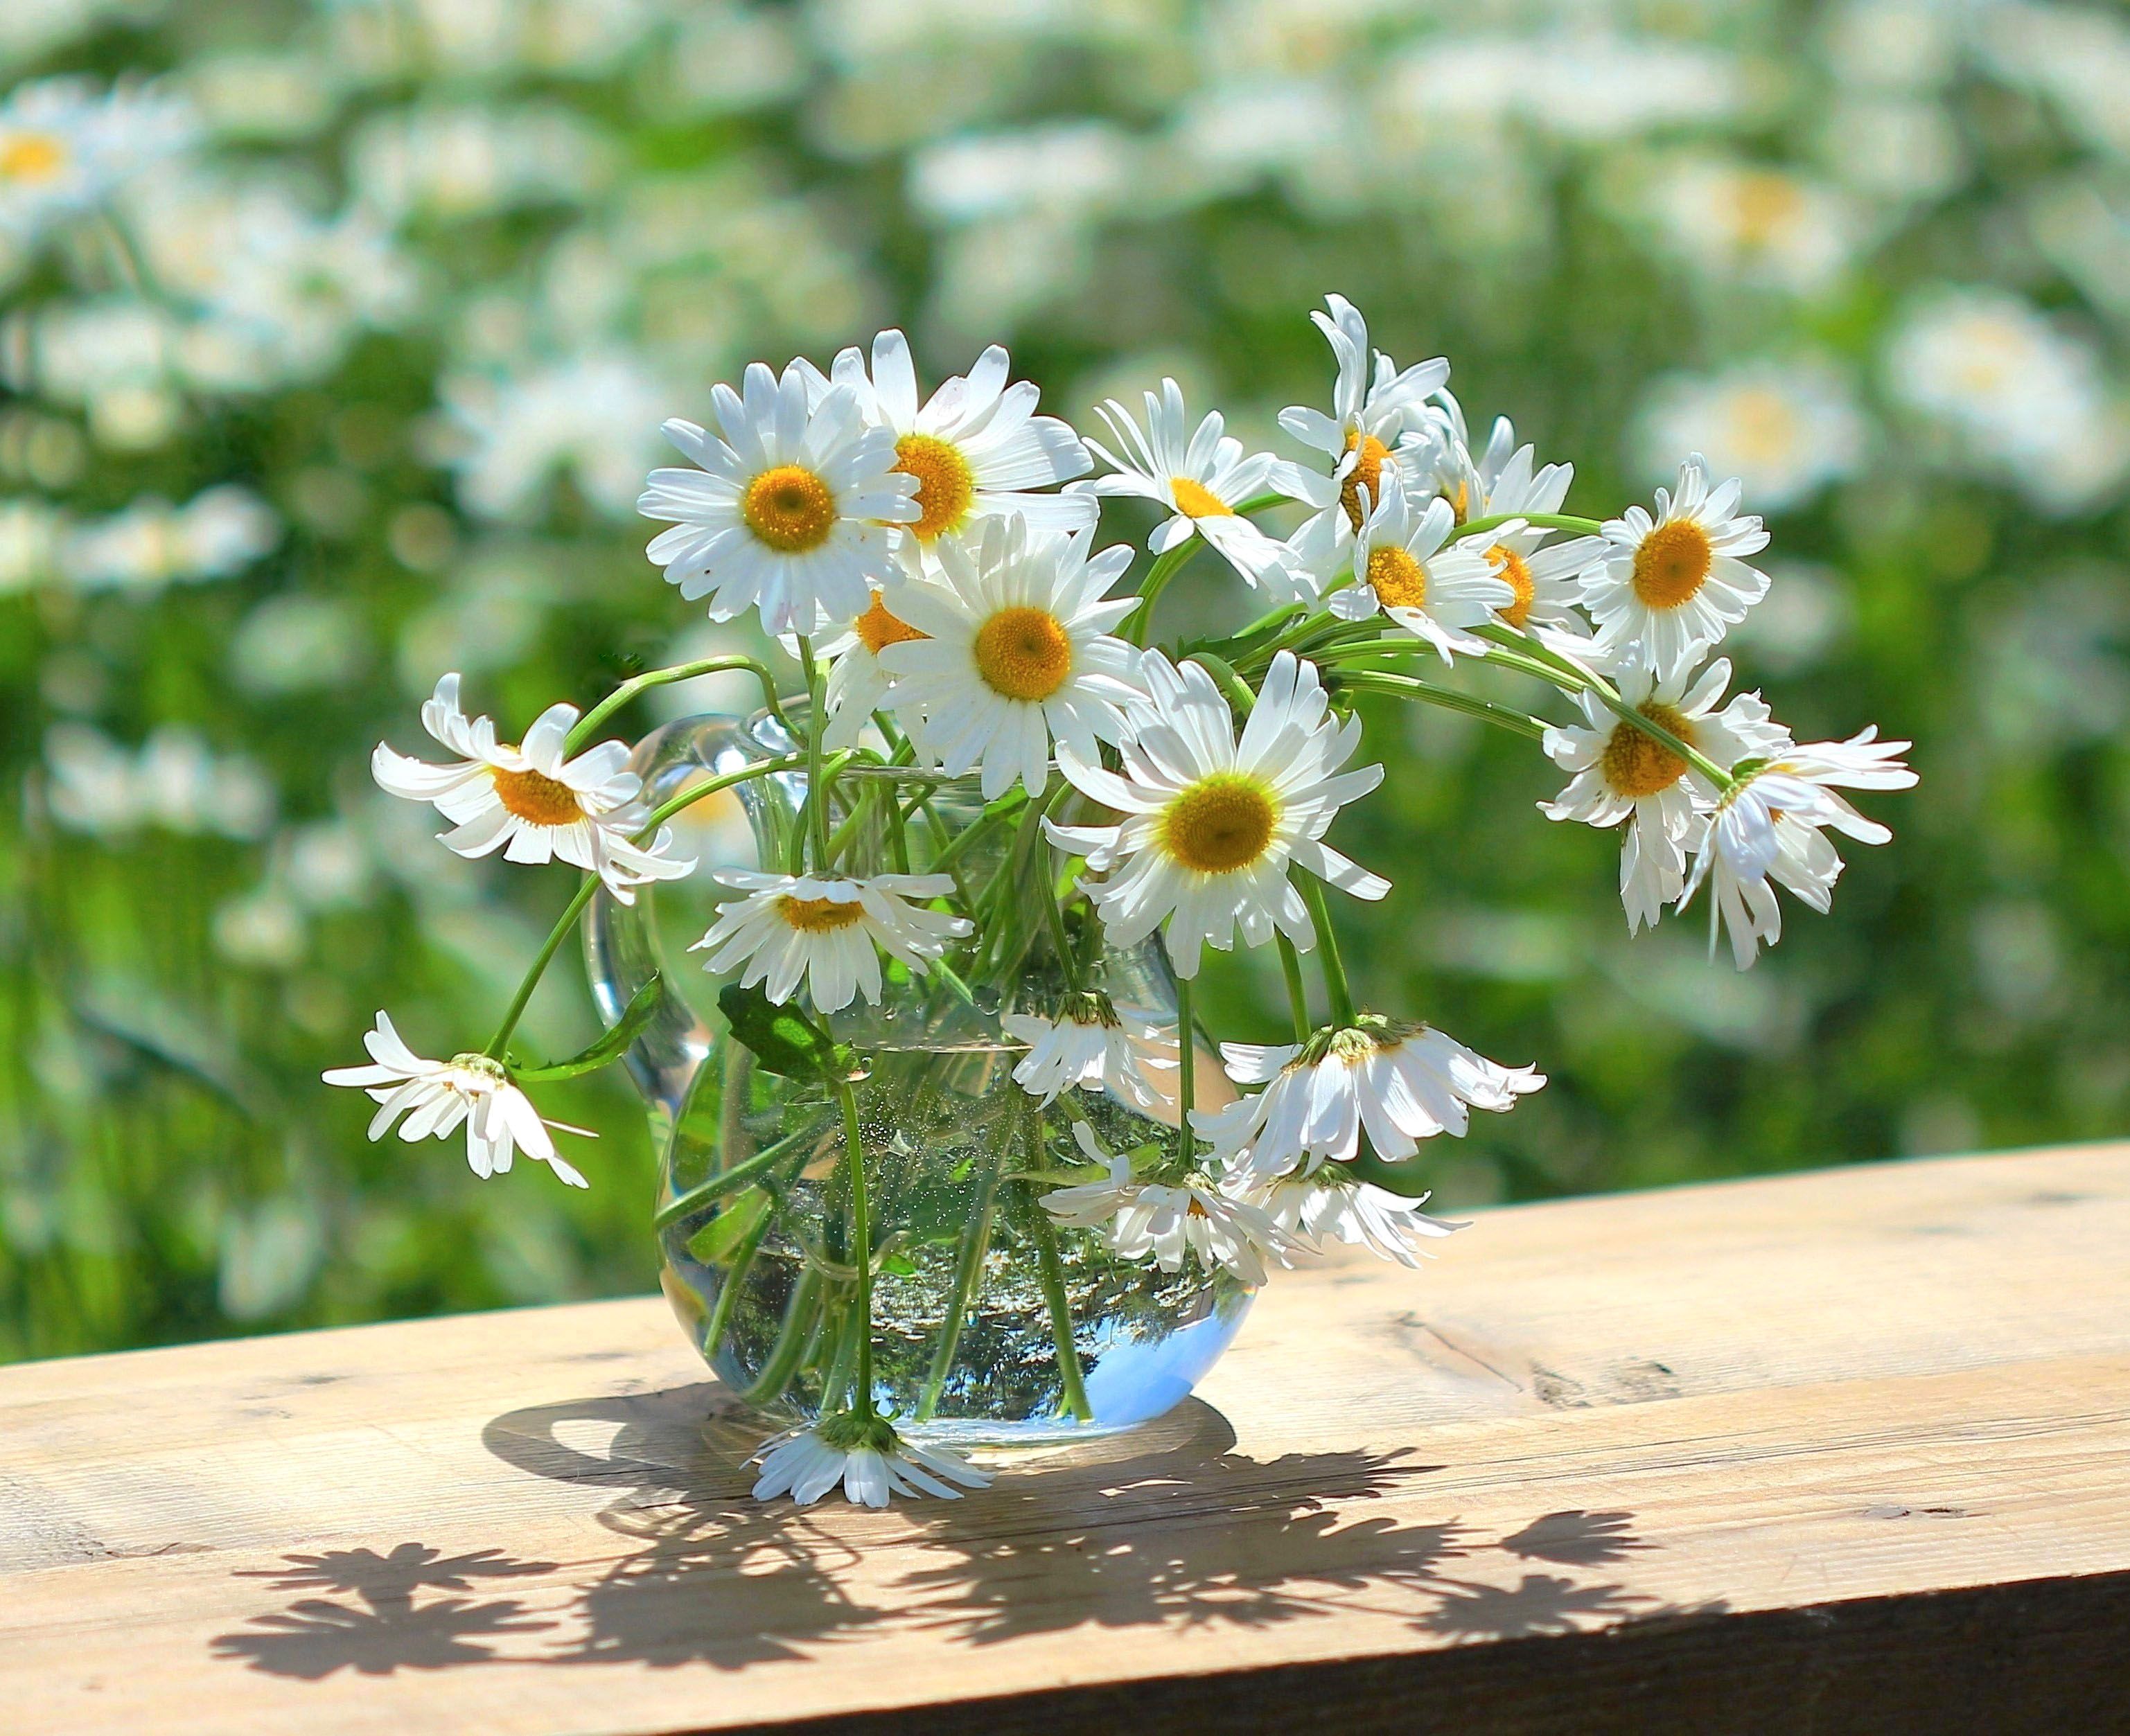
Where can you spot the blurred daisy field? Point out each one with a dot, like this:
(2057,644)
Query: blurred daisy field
(335,340)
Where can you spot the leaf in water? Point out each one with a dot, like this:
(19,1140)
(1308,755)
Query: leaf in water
(717,1241)
(783,1039)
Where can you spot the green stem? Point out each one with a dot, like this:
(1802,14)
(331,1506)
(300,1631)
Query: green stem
(861,1253)
(1537,521)
(726,1181)
(792,1337)
(1405,687)
(1140,623)
(969,1259)
(1187,1074)
(817,792)
(563,924)
(1297,992)
(695,793)
(636,686)
(1050,1267)
(1237,690)
(729,1294)
(1327,950)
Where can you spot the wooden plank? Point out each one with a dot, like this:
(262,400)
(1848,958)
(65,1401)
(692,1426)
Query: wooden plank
(1849,1444)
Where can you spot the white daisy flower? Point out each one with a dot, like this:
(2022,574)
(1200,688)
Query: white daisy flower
(1202,478)
(1398,1083)
(977,447)
(1012,650)
(1091,1043)
(1169,1223)
(857,681)
(1772,825)
(1674,583)
(64,145)
(1322,1208)
(436,1096)
(1373,405)
(1621,773)
(1212,826)
(529,801)
(825,929)
(1400,567)
(865,1455)
(790,508)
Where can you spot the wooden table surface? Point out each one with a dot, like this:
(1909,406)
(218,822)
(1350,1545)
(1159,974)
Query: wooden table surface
(1831,1451)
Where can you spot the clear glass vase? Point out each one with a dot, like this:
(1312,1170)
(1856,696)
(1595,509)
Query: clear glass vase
(991,1323)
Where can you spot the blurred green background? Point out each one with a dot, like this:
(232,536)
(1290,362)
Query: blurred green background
(361,386)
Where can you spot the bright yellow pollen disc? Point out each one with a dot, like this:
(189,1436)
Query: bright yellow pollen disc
(1635,765)
(1220,824)
(1511,569)
(1672,564)
(32,157)
(543,800)
(1367,473)
(1195,500)
(1765,204)
(877,629)
(819,915)
(789,508)
(945,482)
(1023,654)
(1399,580)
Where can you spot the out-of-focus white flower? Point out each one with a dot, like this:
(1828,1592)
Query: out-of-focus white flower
(1754,223)
(1669,585)
(459,162)
(1201,479)
(1213,826)
(1015,652)
(436,1096)
(176,781)
(790,510)
(1785,429)
(262,929)
(595,415)
(530,801)
(2077,57)
(1584,86)
(1091,1044)
(1067,167)
(1619,772)
(64,145)
(1898,148)
(31,534)
(216,535)
(868,1456)
(1772,826)
(822,929)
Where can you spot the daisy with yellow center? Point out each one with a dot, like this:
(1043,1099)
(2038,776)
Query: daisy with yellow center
(858,682)
(976,448)
(530,801)
(1620,772)
(1401,568)
(1201,478)
(1169,1224)
(1214,825)
(64,145)
(791,509)
(1013,652)
(827,930)
(1671,583)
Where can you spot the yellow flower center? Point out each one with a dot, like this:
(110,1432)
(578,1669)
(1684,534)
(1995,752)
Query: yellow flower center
(945,482)
(819,915)
(1399,580)
(1637,764)
(1220,824)
(1460,501)
(1024,653)
(1367,473)
(1763,426)
(1672,564)
(877,629)
(1511,569)
(32,157)
(1764,204)
(789,508)
(542,800)
(1195,500)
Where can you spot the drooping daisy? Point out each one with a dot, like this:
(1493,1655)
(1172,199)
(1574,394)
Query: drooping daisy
(1402,567)
(1091,1043)
(436,1096)
(1674,583)
(1212,826)
(1373,405)
(1013,650)
(825,929)
(1621,773)
(977,447)
(528,801)
(1202,478)
(1398,1083)
(790,511)
(1321,1208)
(1772,825)
(1169,1223)
(866,1456)
(857,681)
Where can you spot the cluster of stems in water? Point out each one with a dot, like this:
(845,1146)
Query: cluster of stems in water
(1021,906)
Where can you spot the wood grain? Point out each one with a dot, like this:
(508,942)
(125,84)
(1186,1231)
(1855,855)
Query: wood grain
(1843,1450)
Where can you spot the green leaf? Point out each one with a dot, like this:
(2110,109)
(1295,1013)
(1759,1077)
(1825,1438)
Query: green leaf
(610,1046)
(900,1264)
(783,1039)
(717,1241)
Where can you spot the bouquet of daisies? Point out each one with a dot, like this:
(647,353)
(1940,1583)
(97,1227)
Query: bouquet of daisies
(933,563)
